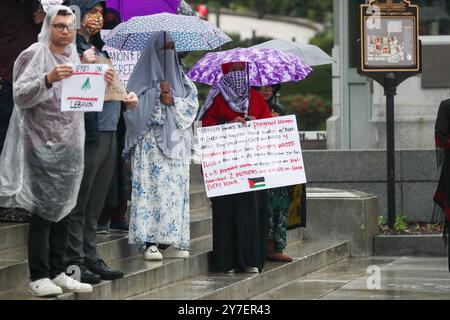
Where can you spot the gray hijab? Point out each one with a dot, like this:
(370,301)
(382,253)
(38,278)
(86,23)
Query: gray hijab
(145,81)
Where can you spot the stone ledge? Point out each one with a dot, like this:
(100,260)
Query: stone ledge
(409,245)
(342,215)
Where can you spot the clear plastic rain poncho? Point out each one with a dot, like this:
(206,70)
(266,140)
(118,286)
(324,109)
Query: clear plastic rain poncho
(42,162)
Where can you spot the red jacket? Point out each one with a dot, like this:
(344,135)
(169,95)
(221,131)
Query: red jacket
(220,112)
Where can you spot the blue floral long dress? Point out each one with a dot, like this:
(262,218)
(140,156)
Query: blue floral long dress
(160,185)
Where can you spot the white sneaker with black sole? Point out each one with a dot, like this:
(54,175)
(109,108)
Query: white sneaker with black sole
(70,284)
(44,288)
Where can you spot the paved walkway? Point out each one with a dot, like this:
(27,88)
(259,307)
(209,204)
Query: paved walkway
(401,278)
(264,28)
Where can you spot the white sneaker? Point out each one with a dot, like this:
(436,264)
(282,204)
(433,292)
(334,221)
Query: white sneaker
(172,253)
(153,254)
(44,287)
(70,284)
(251,270)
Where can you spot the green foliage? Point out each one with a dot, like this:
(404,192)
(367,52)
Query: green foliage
(324,40)
(311,110)
(310,9)
(400,222)
(381,222)
(317,83)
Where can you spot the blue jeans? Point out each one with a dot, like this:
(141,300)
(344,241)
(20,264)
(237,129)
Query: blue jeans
(6,108)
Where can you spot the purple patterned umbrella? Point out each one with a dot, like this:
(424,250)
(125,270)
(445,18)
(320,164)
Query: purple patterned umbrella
(266,66)
(133,8)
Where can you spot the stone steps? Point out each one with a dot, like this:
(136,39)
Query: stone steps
(13,235)
(140,275)
(309,256)
(144,278)
(112,247)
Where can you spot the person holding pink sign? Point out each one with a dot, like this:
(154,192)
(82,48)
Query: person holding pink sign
(240,221)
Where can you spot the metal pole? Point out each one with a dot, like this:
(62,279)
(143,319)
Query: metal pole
(390,91)
(218,4)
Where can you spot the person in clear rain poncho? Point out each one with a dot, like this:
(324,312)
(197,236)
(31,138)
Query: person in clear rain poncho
(41,165)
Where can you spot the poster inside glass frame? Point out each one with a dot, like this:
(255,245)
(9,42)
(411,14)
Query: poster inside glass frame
(389,37)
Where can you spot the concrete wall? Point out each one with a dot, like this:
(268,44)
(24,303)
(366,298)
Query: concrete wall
(416,177)
(342,215)
(415,115)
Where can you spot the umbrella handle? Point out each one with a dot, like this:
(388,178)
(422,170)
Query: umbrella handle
(165,56)
(248,83)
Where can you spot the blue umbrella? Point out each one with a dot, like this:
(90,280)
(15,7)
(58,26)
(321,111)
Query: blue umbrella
(188,32)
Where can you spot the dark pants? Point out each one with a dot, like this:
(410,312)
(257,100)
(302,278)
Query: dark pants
(6,108)
(46,247)
(240,224)
(115,209)
(100,157)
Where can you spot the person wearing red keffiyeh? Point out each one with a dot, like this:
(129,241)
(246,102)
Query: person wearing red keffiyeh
(441,213)
(240,221)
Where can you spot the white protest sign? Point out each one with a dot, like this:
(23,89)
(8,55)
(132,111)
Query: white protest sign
(261,154)
(84,91)
(124,63)
(46,4)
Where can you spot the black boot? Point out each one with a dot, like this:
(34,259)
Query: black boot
(88,277)
(105,272)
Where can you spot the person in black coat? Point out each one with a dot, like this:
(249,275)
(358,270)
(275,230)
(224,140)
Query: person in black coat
(441,198)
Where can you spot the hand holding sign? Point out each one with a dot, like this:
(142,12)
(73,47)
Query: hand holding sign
(89,56)
(110,76)
(60,72)
(238,119)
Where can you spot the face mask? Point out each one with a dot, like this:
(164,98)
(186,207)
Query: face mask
(94,22)
(237,80)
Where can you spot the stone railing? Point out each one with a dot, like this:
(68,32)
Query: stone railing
(416,177)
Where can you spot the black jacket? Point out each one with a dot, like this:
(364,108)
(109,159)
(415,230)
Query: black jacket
(90,118)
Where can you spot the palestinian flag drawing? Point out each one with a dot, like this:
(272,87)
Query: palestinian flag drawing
(256,183)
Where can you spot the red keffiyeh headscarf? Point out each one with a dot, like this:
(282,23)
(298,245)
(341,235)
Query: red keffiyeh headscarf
(234,87)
